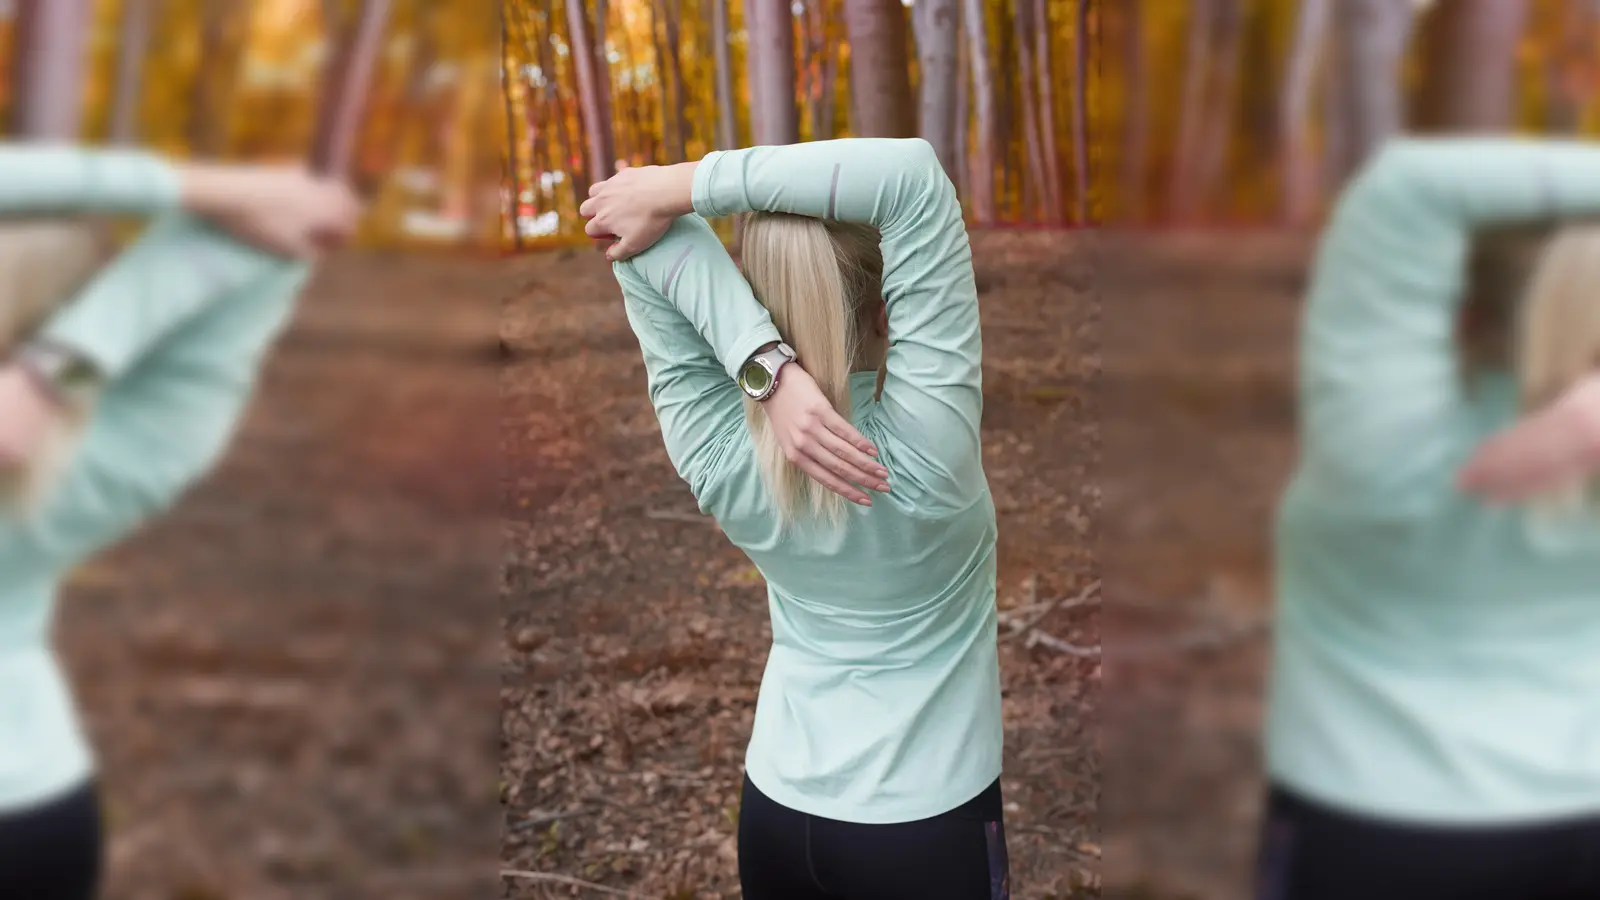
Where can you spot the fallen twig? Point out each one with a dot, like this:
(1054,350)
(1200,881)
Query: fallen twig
(543,819)
(1089,595)
(1054,643)
(553,878)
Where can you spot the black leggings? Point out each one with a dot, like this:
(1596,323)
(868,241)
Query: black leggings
(1311,852)
(52,851)
(788,855)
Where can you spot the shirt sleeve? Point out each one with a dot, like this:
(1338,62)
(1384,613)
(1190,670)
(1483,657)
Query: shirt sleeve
(697,323)
(156,431)
(932,398)
(177,269)
(48,179)
(1384,411)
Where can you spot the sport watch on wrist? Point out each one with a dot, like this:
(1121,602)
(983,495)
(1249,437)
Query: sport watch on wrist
(66,376)
(759,377)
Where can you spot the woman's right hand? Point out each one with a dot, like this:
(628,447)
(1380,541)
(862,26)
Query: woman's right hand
(1548,449)
(819,441)
(285,210)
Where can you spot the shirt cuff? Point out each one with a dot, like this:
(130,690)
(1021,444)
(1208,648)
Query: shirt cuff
(703,192)
(746,344)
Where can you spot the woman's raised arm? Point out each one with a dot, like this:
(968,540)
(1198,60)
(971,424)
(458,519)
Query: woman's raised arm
(162,426)
(40,180)
(1381,398)
(932,398)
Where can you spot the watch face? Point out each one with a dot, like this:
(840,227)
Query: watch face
(756,378)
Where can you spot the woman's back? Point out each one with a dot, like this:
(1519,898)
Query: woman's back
(881,698)
(1435,656)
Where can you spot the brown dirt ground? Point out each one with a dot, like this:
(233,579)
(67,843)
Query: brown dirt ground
(290,679)
(1199,418)
(635,634)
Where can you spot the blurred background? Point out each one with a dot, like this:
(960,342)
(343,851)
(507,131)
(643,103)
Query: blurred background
(290,678)
(635,633)
(1226,130)
(243,80)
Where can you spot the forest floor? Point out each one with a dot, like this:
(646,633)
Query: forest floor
(280,676)
(636,634)
(1198,415)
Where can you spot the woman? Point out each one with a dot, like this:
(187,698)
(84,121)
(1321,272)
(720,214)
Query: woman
(1434,720)
(113,399)
(873,767)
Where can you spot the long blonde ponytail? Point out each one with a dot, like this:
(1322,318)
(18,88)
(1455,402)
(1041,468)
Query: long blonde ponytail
(813,277)
(1558,340)
(42,265)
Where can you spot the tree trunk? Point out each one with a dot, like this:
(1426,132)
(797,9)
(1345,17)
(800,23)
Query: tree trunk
(602,74)
(673,142)
(513,157)
(220,22)
(1365,98)
(133,42)
(1192,111)
(596,127)
(727,124)
(1299,173)
(1218,128)
(1136,134)
(1036,184)
(680,125)
(50,40)
(984,159)
(823,126)
(1013,143)
(1567,70)
(1080,113)
(775,114)
(1044,63)
(938,36)
(1469,66)
(342,105)
(880,72)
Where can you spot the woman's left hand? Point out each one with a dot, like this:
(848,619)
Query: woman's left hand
(822,443)
(26,416)
(636,206)
(1553,447)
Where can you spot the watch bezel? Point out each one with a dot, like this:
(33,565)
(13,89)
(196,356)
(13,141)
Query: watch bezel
(770,361)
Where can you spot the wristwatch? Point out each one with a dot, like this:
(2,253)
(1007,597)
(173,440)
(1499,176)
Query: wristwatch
(759,377)
(63,374)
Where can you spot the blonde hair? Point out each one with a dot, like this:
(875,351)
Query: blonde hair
(1558,340)
(42,265)
(817,279)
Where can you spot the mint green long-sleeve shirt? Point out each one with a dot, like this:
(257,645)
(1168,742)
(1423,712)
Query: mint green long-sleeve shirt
(1436,659)
(178,325)
(881,696)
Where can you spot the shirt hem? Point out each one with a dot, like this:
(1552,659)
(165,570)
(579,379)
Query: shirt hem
(876,815)
(1383,806)
(20,797)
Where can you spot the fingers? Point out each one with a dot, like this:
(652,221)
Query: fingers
(1515,464)
(832,482)
(847,432)
(588,207)
(849,463)
(596,229)
(860,450)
